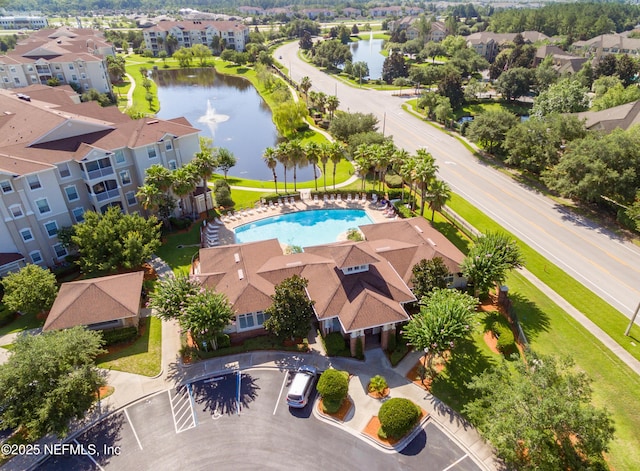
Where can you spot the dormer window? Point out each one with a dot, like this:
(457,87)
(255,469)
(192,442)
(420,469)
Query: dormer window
(355,269)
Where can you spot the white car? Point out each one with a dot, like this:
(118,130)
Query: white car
(301,386)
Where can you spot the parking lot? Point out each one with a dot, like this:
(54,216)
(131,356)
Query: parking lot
(241,420)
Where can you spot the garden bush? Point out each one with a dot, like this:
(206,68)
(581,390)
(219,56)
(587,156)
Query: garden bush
(6,316)
(359,349)
(398,416)
(378,384)
(180,223)
(506,343)
(114,336)
(335,345)
(393,181)
(333,386)
(393,341)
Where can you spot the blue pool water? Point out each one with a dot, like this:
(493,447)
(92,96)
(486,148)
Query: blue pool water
(304,228)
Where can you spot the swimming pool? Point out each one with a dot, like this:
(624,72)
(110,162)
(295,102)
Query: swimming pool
(303,228)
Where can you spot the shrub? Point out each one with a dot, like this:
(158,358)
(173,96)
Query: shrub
(506,343)
(335,344)
(125,334)
(354,235)
(398,416)
(6,316)
(393,181)
(403,211)
(180,223)
(378,384)
(392,343)
(333,386)
(223,341)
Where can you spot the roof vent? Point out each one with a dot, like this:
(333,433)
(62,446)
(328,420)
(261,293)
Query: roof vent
(240,274)
(236,257)
(418,229)
(431,242)
(383,249)
(294,264)
(153,121)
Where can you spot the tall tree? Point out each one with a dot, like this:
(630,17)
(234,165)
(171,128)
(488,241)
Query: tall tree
(305,85)
(298,158)
(393,67)
(205,162)
(490,259)
(270,158)
(158,176)
(114,240)
(564,96)
(206,315)
(325,151)
(30,290)
(171,294)
(282,154)
(490,129)
(439,194)
(332,105)
(444,319)
(425,172)
(202,53)
(336,154)
(312,151)
(184,184)
(539,414)
(428,275)
(226,160)
(515,82)
(291,311)
(49,380)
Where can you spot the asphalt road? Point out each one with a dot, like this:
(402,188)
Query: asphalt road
(599,259)
(210,426)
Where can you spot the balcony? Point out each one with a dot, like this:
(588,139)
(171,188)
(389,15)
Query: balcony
(108,194)
(101,172)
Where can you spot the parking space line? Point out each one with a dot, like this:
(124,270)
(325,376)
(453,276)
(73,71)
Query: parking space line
(455,462)
(132,428)
(84,452)
(183,410)
(284,381)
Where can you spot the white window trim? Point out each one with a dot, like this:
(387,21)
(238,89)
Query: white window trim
(39,211)
(66,252)
(122,179)
(168,145)
(19,206)
(65,164)
(149,148)
(67,194)
(135,200)
(10,186)
(26,229)
(172,164)
(115,157)
(74,214)
(31,254)
(47,230)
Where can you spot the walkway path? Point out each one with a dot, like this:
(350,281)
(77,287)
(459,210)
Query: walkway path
(131,89)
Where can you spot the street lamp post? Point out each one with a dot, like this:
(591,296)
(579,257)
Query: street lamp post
(633,319)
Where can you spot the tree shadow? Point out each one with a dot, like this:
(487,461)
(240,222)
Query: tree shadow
(532,319)
(221,396)
(450,385)
(107,433)
(416,445)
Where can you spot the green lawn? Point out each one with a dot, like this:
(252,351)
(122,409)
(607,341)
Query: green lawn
(143,357)
(550,330)
(179,259)
(26,322)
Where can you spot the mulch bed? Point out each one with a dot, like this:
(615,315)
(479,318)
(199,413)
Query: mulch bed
(371,430)
(341,413)
(414,373)
(492,341)
(377,395)
(105,391)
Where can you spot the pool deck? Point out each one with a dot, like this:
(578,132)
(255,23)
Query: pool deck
(226,235)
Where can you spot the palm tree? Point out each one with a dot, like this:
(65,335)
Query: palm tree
(439,194)
(399,157)
(305,85)
(185,180)
(322,101)
(159,176)
(332,105)
(205,163)
(325,151)
(363,156)
(313,152)
(336,154)
(172,42)
(283,156)
(407,171)
(270,157)
(149,196)
(226,160)
(298,158)
(426,169)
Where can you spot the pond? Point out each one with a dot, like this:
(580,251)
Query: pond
(230,111)
(368,50)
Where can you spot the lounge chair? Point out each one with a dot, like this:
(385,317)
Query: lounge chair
(325,198)
(349,200)
(332,198)
(271,205)
(315,199)
(339,198)
(374,198)
(218,221)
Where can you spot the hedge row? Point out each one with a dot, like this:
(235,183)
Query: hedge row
(114,336)
(506,342)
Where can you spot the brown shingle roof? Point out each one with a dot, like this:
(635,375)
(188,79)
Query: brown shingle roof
(104,299)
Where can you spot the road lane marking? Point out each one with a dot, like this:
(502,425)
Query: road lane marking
(284,381)
(132,428)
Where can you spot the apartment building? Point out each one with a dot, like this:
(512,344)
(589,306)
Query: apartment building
(25,21)
(60,158)
(606,44)
(71,55)
(188,33)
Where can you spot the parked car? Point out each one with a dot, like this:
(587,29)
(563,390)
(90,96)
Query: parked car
(301,386)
